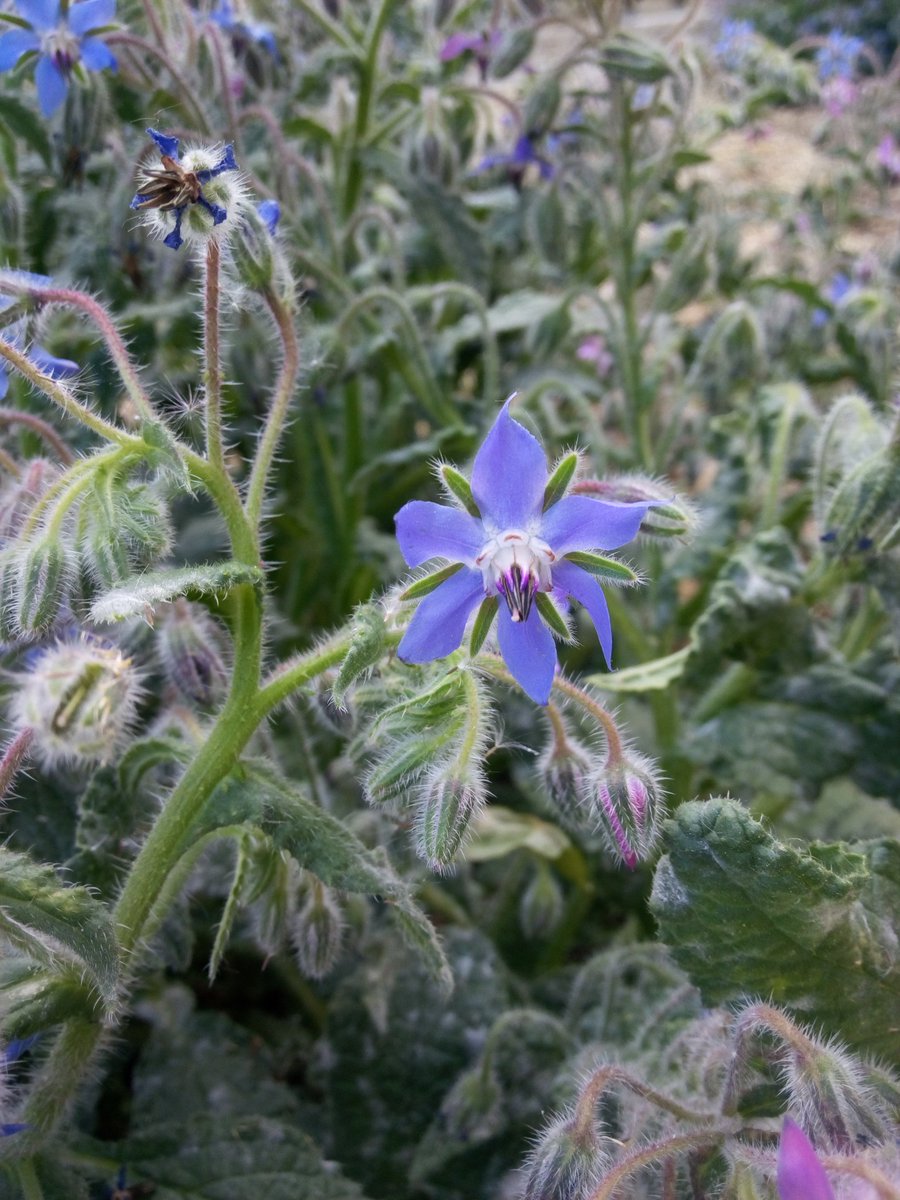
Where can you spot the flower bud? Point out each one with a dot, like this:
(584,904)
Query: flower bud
(542,904)
(564,768)
(542,106)
(272,884)
(625,56)
(317,932)
(626,806)
(864,511)
(448,801)
(253,248)
(42,583)
(567,1163)
(511,51)
(191,650)
(366,648)
(670,517)
(80,699)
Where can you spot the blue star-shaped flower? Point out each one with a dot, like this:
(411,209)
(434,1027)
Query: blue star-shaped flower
(514,549)
(836,59)
(522,155)
(61,42)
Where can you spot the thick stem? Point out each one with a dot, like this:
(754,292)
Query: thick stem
(212,356)
(368,75)
(284,391)
(12,416)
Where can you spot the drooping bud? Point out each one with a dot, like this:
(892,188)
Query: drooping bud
(568,1162)
(542,904)
(272,888)
(366,648)
(624,56)
(317,931)
(670,517)
(42,583)
(564,768)
(191,648)
(625,803)
(449,798)
(80,699)
(256,257)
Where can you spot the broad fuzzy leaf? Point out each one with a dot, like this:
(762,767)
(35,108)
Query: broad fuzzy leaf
(811,929)
(142,593)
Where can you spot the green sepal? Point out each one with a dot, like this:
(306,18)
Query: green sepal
(42,584)
(364,652)
(484,619)
(142,593)
(461,488)
(551,615)
(428,583)
(559,481)
(604,568)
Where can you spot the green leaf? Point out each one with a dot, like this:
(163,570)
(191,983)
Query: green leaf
(26,125)
(551,615)
(428,583)
(142,593)
(461,488)
(444,215)
(57,924)
(484,619)
(645,677)
(602,567)
(255,795)
(498,831)
(366,647)
(563,474)
(812,929)
(246,1158)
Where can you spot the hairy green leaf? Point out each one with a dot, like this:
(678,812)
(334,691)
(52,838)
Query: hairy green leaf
(142,593)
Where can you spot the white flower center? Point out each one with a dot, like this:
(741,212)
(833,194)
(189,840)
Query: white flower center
(516,564)
(62,47)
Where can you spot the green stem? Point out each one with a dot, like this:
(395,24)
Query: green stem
(212,356)
(368,75)
(331,27)
(284,391)
(12,416)
(656,1152)
(31,1185)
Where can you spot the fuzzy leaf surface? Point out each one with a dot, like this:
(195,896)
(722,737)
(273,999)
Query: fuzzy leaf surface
(812,928)
(144,592)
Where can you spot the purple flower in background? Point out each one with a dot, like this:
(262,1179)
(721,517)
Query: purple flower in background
(517,160)
(224,16)
(800,1174)
(512,550)
(480,45)
(888,155)
(14,334)
(61,42)
(839,94)
(593,350)
(836,59)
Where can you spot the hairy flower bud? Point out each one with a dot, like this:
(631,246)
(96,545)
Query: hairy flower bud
(191,649)
(257,259)
(626,805)
(79,699)
(272,887)
(567,1163)
(42,583)
(542,904)
(448,801)
(564,768)
(670,517)
(317,932)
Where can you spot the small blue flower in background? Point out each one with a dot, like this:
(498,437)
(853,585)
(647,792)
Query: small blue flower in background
(735,41)
(61,42)
(839,287)
(14,334)
(837,58)
(517,160)
(800,1174)
(224,16)
(270,213)
(512,550)
(180,184)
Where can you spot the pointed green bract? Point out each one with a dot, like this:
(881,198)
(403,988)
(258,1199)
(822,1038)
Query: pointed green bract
(559,481)
(365,650)
(484,619)
(461,488)
(604,568)
(552,615)
(140,594)
(428,583)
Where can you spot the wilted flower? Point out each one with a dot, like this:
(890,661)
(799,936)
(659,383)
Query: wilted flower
(800,1174)
(837,57)
(192,188)
(515,549)
(62,40)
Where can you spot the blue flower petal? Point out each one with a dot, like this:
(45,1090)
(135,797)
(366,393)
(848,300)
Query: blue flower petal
(226,163)
(439,623)
(426,530)
(509,475)
(216,211)
(174,239)
(91,14)
(580,523)
(4,383)
(529,651)
(56,368)
(587,591)
(43,14)
(9,1128)
(168,145)
(270,214)
(51,85)
(97,56)
(16,43)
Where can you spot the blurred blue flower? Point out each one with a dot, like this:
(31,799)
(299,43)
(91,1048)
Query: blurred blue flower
(270,213)
(735,40)
(176,187)
(836,59)
(224,16)
(62,40)
(14,334)
(512,550)
(839,286)
(800,1174)
(522,155)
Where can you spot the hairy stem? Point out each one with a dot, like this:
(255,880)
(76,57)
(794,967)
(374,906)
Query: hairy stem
(12,416)
(284,391)
(212,356)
